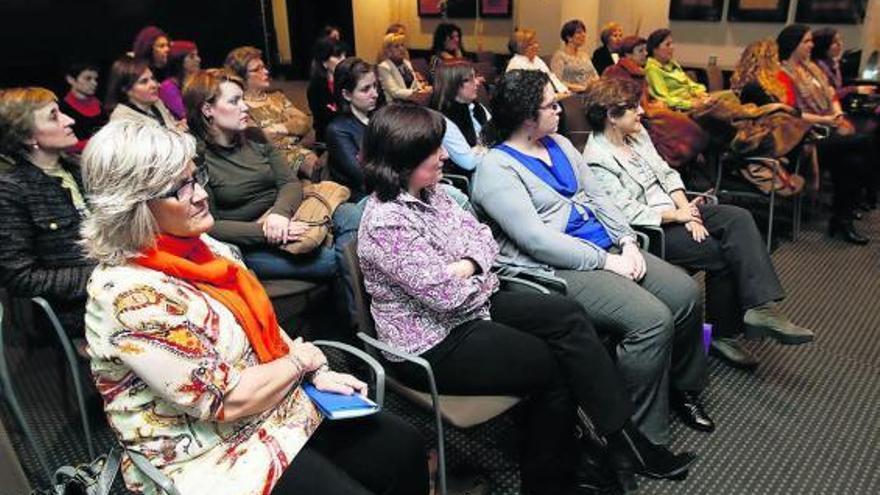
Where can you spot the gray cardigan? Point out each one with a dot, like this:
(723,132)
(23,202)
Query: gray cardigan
(625,185)
(528,217)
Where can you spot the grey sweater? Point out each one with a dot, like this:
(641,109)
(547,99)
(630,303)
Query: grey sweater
(528,217)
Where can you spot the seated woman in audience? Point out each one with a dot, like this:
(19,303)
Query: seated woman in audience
(153,46)
(447,46)
(523,45)
(570,64)
(326,54)
(253,192)
(742,287)
(81,104)
(846,152)
(678,138)
(606,54)
(396,74)
(827,52)
(722,113)
(550,214)
(427,266)
(274,113)
(42,205)
(133,94)
(455,96)
(183,61)
(357,94)
(185,347)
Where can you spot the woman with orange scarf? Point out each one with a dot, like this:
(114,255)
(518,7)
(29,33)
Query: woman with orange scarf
(195,373)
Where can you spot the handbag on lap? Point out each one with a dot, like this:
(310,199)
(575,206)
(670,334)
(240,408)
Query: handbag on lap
(320,200)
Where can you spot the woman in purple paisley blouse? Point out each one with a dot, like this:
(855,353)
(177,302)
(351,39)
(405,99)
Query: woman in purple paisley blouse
(427,265)
(195,373)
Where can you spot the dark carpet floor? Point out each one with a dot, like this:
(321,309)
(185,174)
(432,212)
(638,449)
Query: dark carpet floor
(807,421)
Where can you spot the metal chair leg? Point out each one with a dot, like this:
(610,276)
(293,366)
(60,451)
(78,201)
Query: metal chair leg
(8,393)
(770,218)
(70,354)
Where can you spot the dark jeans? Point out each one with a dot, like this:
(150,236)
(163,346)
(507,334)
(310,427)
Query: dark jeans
(379,454)
(542,348)
(739,272)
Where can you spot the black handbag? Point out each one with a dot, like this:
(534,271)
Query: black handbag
(94,478)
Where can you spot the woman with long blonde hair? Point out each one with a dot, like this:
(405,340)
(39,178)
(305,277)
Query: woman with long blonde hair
(759,65)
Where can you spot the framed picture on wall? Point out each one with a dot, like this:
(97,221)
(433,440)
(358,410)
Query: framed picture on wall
(758,10)
(461,9)
(831,11)
(696,10)
(496,8)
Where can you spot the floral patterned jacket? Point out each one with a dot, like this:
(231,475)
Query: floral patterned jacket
(164,355)
(404,247)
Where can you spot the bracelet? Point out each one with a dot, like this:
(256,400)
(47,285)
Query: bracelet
(296,362)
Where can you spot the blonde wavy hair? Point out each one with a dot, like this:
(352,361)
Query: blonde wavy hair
(17,107)
(126,164)
(521,39)
(388,41)
(760,63)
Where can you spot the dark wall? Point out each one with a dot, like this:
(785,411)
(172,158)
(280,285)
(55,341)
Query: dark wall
(41,36)
(307,19)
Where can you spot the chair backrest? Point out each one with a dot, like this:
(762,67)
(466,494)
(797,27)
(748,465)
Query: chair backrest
(715,78)
(420,65)
(363,317)
(577,129)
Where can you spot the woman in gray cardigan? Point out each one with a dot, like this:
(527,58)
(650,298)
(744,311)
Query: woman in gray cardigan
(741,283)
(549,214)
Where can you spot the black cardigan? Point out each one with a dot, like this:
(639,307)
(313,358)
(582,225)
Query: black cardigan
(39,250)
(344,137)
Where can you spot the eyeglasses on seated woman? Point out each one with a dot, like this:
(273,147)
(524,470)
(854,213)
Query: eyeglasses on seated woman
(185,348)
(427,266)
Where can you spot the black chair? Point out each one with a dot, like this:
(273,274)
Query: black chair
(459,411)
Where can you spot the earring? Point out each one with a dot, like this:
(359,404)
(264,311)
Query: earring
(35,146)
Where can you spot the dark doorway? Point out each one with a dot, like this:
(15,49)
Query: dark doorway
(307,19)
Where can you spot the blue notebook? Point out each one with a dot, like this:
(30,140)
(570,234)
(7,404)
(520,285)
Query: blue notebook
(338,406)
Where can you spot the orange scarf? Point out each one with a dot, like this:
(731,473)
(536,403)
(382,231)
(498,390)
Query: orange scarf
(234,286)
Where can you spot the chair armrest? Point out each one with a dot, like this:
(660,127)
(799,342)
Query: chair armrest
(459,181)
(710,198)
(375,366)
(515,284)
(152,472)
(643,240)
(546,280)
(658,239)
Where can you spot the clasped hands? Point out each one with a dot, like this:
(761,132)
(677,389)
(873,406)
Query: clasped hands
(279,229)
(629,263)
(312,360)
(690,216)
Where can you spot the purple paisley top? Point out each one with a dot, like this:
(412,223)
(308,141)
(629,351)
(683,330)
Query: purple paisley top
(404,247)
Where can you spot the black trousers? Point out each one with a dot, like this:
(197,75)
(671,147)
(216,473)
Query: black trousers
(849,159)
(378,454)
(739,272)
(543,348)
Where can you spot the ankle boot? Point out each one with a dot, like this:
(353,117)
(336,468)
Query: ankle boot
(845,229)
(630,453)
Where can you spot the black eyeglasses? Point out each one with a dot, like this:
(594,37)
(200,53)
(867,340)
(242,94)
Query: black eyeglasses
(184,192)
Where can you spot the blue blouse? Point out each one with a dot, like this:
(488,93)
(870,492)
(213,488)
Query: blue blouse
(582,223)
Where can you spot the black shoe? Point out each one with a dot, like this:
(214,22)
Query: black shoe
(630,453)
(690,410)
(846,231)
(731,351)
(593,474)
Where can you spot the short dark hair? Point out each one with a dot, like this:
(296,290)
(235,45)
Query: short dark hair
(609,97)
(657,37)
(789,38)
(570,28)
(325,48)
(399,138)
(124,72)
(517,98)
(822,40)
(74,69)
(346,77)
(443,31)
